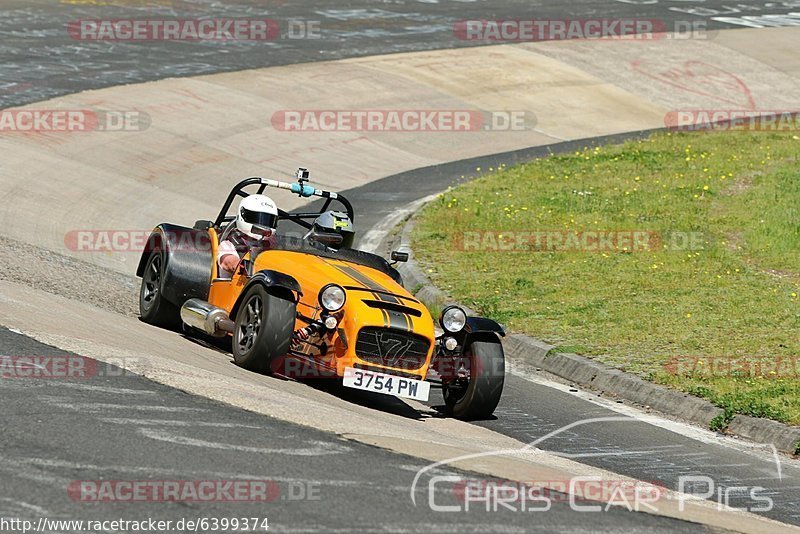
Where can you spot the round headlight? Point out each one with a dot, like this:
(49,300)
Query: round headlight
(332,297)
(453,319)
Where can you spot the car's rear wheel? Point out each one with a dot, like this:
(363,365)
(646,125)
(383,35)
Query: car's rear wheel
(153,308)
(477,395)
(264,327)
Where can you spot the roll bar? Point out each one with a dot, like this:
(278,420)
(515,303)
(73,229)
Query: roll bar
(300,188)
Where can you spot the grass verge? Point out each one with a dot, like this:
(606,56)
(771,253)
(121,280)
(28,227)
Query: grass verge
(676,258)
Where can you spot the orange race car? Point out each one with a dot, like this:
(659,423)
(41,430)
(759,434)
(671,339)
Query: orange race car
(358,323)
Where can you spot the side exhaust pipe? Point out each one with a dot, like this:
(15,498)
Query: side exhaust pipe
(206,317)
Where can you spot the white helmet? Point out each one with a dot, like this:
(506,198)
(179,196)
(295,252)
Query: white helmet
(257,216)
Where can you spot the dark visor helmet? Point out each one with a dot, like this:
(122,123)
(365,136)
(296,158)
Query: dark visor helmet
(339,223)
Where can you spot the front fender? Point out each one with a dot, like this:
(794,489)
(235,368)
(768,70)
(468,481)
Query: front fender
(271,280)
(483,325)
(476,328)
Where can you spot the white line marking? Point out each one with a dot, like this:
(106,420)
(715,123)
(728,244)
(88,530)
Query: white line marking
(103,389)
(320,447)
(96,406)
(23,504)
(173,422)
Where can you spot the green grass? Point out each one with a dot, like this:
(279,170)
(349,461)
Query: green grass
(732,295)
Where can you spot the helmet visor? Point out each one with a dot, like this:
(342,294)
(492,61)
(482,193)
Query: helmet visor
(259,218)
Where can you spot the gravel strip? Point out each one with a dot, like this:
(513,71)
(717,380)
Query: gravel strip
(74,279)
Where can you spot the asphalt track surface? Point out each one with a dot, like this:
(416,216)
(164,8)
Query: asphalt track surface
(41,60)
(115,426)
(47,442)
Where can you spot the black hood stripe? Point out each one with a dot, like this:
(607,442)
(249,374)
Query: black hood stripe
(391,318)
(368,283)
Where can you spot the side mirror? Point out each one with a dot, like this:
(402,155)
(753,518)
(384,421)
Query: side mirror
(398,256)
(329,239)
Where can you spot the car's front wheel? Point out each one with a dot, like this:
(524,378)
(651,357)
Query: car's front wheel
(476,395)
(264,327)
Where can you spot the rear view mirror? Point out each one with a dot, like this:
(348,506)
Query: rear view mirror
(399,256)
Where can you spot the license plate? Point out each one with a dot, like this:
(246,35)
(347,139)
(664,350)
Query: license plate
(398,386)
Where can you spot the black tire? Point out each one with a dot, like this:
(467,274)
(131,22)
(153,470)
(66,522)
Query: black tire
(153,307)
(478,398)
(264,327)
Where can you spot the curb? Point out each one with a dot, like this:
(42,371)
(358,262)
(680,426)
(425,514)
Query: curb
(591,374)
